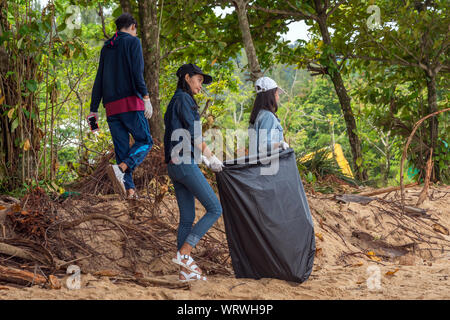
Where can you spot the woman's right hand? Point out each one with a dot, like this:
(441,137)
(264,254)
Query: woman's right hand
(215,164)
(212,161)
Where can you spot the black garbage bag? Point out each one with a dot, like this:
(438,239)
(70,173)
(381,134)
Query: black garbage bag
(268,223)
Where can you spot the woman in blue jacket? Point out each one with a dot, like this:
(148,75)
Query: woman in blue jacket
(263,119)
(182,121)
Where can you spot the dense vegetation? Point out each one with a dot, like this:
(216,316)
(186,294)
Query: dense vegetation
(359,81)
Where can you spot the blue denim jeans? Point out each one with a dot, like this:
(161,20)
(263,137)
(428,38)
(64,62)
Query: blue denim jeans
(189,182)
(121,126)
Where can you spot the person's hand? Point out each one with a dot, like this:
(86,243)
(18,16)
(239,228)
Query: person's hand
(284,145)
(215,164)
(148,108)
(95,114)
(206,161)
(93,125)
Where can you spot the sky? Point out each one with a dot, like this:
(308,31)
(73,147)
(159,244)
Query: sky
(297,30)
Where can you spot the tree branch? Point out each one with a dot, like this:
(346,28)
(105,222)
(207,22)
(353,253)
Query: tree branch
(100,13)
(310,16)
(168,53)
(332,10)
(405,48)
(445,43)
(284,12)
(317,69)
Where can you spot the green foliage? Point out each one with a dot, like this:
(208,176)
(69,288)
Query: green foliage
(53,78)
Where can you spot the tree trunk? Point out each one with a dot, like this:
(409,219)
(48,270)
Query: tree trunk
(344,101)
(148,15)
(432,107)
(126,6)
(253,64)
(388,161)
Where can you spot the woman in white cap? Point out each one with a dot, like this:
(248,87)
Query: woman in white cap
(263,119)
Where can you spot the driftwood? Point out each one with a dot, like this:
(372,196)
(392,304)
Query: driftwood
(148,282)
(39,253)
(411,211)
(354,198)
(385,190)
(9,199)
(21,277)
(13,251)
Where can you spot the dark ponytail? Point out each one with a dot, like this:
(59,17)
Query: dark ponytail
(264,100)
(183,85)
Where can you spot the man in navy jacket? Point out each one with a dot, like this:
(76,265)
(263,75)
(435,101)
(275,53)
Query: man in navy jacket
(120,84)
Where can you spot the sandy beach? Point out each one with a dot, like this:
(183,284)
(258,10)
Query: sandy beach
(346,266)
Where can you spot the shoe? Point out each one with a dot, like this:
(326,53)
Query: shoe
(117,177)
(190,264)
(191,277)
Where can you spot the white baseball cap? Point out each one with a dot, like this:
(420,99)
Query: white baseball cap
(264,84)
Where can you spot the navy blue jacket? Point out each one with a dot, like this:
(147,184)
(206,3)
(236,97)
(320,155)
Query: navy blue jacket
(181,113)
(120,72)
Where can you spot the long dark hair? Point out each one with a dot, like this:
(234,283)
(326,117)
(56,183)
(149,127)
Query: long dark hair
(264,100)
(183,85)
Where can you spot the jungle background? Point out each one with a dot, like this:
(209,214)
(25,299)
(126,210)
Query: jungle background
(362,80)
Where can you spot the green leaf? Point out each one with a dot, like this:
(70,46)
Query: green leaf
(359,161)
(62,27)
(19,43)
(14,125)
(31,85)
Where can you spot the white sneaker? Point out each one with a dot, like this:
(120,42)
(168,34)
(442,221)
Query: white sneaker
(117,178)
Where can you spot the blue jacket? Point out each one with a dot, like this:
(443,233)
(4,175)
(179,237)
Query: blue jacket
(266,120)
(120,72)
(181,113)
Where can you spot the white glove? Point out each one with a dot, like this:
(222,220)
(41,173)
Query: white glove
(284,145)
(148,109)
(215,164)
(206,161)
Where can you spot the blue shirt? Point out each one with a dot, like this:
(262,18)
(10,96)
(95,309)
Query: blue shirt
(182,113)
(266,120)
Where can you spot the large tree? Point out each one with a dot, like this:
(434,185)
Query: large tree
(318,13)
(411,45)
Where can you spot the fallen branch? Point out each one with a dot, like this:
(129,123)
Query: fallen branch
(147,282)
(13,251)
(416,126)
(385,190)
(95,216)
(20,276)
(36,248)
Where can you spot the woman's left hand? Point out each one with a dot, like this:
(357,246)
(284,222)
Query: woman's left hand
(284,145)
